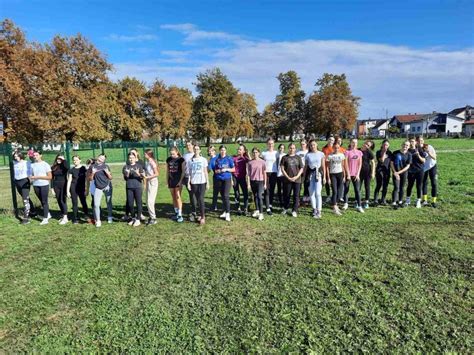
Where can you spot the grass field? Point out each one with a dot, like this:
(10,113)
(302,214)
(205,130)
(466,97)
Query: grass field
(386,281)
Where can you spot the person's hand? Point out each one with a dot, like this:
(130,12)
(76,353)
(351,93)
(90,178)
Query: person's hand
(329,182)
(324,181)
(189,187)
(357,178)
(94,170)
(372,176)
(68,194)
(397,176)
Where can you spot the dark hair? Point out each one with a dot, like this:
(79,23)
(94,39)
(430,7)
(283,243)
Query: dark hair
(56,166)
(281,145)
(269,139)
(309,144)
(246,153)
(291,144)
(19,154)
(90,161)
(150,153)
(76,156)
(174,148)
(222,146)
(371,144)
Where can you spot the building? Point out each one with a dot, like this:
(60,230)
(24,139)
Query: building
(468,128)
(433,123)
(445,123)
(364,127)
(407,124)
(380,129)
(466,112)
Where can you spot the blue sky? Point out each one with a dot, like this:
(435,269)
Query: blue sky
(400,56)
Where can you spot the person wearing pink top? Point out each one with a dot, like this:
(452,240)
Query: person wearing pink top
(354,165)
(239,178)
(257,181)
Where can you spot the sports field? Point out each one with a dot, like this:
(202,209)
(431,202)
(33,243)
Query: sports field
(385,281)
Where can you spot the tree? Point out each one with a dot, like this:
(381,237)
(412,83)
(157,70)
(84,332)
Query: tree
(216,111)
(290,104)
(269,123)
(248,112)
(169,110)
(332,107)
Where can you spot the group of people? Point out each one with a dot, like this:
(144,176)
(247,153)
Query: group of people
(272,176)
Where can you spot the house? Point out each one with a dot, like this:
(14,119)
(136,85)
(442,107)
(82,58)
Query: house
(364,127)
(414,124)
(468,128)
(445,123)
(432,123)
(466,112)
(380,129)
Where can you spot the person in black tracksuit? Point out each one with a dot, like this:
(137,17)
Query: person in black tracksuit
(134,174)
(400,163)
(76,188)
(59,170)
(416,172)
(382,172)
(367,171)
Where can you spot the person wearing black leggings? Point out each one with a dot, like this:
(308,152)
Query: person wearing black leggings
(223,169)
(336,172)
(382,172)
(257,180)
(76,188)
(59,170)
(22,169)
(328,149)
(271,160)
(134,174)
(430,171)
(211,151)
(367,172)
(354,165)
(416,172)
(41,176)
(399,164)
(292,169)
(280,178)
(198,183)
(239,178)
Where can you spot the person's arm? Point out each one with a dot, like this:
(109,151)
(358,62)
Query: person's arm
(265,178)
(345,170)
(283,171)
(247,175)
(431,152)
(207,177)
(323,170)
(300,172)
(107,172)
(359,168)
(183,173)
(422,158)
(404,169)
(328,176)
(372,168)
(69,182)
(125,172)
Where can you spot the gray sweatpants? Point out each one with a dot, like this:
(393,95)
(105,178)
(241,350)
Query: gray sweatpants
(108,199)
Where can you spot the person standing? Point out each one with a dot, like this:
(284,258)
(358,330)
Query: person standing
(134,175)
(302,154)
(257,178)
(240,178)
(315,169)
(175,167)
(415,173)
(292,169)
(336,172)
(280,178)
(21,170)
(102,177)
(198,183)
(76,188)
(223,169)
(367,172)
(328,149)
(187,159)
(399,164)
(354,166)
(41,177)
(270,156)
(430,169)
(382,172)
(60,170)
(151,178)
(211,151)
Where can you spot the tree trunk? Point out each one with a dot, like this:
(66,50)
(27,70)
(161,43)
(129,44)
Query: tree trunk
(208,141)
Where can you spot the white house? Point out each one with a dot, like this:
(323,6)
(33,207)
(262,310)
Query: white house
(410,123)
(445,123)
(466,112)
(380,129)
(468,128)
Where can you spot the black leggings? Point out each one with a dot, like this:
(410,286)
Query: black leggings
(305,186)
(398,187)
(42,194)
(257,190)
(23,188)
(78,192)
(382,178)
(272,180)
(215,193)
(289,188)
(135,195)
(280,184)
(238,185)
(59,188)
(365,179)
(337,186)
(198,191)
(356,184)
(224,189)
(418,177)
(433,175)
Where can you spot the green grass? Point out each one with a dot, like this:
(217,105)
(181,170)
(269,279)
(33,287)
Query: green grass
(381,282)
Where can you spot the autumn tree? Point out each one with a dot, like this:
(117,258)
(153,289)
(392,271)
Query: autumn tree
(216,111)
(289,105)
(332,107)
(169,110)
(268,124)
(248,112)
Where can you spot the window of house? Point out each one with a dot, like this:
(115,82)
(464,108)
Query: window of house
(418,129)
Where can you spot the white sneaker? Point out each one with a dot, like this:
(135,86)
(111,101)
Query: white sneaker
(360,209)
(222,215)
(260,217)
(255,214)
(294,214)
(63,220)
(98,224)
(44,221)
(345,207)
(49,215)
(136,223)
(110,220)
(130,223)
(418,204)
(142,217)
(283,212)
(408,201)
(227,217)
(328,199)
(337,211)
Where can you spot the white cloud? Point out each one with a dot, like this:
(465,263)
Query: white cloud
(132,38)
(398,78)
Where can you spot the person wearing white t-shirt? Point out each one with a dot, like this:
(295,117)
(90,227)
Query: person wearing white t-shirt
(271,165)
(336,172)
(280,178)
(302,154)
(430,169)
(198,182)
(41,177)
(315,168)
(22,169)
(187,159)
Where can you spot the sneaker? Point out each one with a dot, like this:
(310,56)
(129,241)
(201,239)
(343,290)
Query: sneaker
(179,219)
(408,201)
(33,214)
(142,217)
(125,218)
(75,222)
(418,204)
(260,217)
(137,223)
(202,221)
(269,211)
(44,221)
(360,209)
(131,221)
(345,207)
(434,205)
(63,220)
(192,217)
(365,205)
(383,203)
(151,222)
(255,214)
(315,212)
(110,220)
(294,214)
(283,212)
(25,221)
(227,217)
(318,215)
(425,203)
(328,200)
(222,215)
(98,224)
(49,215)
(337,212)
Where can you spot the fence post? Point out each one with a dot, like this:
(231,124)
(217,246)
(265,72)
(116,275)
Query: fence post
(124,151)
(156,150)
(93,150)
(102,147)
(68,153)
(12,179)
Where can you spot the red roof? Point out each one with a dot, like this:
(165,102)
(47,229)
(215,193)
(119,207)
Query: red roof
(409,118)
(469,122)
